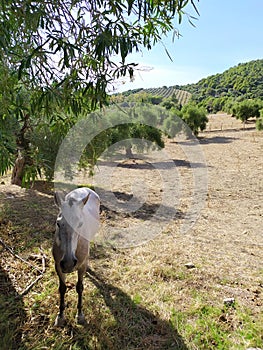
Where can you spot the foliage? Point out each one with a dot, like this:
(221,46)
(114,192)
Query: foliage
(59,58)
(181,95)
(9,116)
(221,92)
(128,121)
(7,144)
(244,80)
(171,102)
(125,126)
(259,122)
(172,126)
(46,140)
(195,117)
(247,109)
(70,48)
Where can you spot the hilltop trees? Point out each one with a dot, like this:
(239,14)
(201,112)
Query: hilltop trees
(58,59)
(244,80)
(237,91)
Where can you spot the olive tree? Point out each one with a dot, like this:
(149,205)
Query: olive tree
(195,117)
(65,54)
(259,122)
(247,109)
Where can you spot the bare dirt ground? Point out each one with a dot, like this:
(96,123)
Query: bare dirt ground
(226,240)
(224,244)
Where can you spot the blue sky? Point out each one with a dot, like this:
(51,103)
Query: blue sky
(227,32)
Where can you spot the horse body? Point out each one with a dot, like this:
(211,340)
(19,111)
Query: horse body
(77,223)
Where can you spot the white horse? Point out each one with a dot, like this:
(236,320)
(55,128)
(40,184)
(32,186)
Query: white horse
(77,223)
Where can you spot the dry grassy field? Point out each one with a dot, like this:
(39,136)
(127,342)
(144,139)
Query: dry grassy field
(197,289)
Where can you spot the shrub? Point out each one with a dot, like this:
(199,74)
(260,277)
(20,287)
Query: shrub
(259,122)
(246,109)
(195,117)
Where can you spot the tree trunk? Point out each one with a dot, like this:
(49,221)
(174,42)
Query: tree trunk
(23,157)
(129,153)
(18,170)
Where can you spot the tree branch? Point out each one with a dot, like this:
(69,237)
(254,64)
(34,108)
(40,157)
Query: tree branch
(29,286)
(27,289)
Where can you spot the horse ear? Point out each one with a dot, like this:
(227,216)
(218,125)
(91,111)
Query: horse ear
(84,200)
(58,198)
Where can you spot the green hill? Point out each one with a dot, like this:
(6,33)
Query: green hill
(245,79)
(216,92)
(181,95)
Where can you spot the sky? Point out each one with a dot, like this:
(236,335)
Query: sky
(227,32)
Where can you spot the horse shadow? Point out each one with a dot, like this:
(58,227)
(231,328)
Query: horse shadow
(134,326)
(12,313)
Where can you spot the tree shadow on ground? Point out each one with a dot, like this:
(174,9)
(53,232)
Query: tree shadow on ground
(27,217)
(143,210)
(43,186)
(134,327)
(187,164)
(217,139)
(12,313)
(170,164)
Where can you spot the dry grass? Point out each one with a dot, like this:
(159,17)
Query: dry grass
(145,297)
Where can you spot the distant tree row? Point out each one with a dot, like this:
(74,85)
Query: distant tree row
(193,115)
(157,95)
(241,82)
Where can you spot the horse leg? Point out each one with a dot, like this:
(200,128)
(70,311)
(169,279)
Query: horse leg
(79,288)
(60,319)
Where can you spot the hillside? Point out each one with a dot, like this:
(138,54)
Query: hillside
(245,79)
(181,95)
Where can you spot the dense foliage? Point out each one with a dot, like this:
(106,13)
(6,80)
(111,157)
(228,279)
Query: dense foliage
(58,59)
(259,122)
(237,91)
(244,80)
(194,118)
(176,106)
(247,109)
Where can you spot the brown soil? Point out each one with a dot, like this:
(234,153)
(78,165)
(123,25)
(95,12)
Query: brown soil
(226,240)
